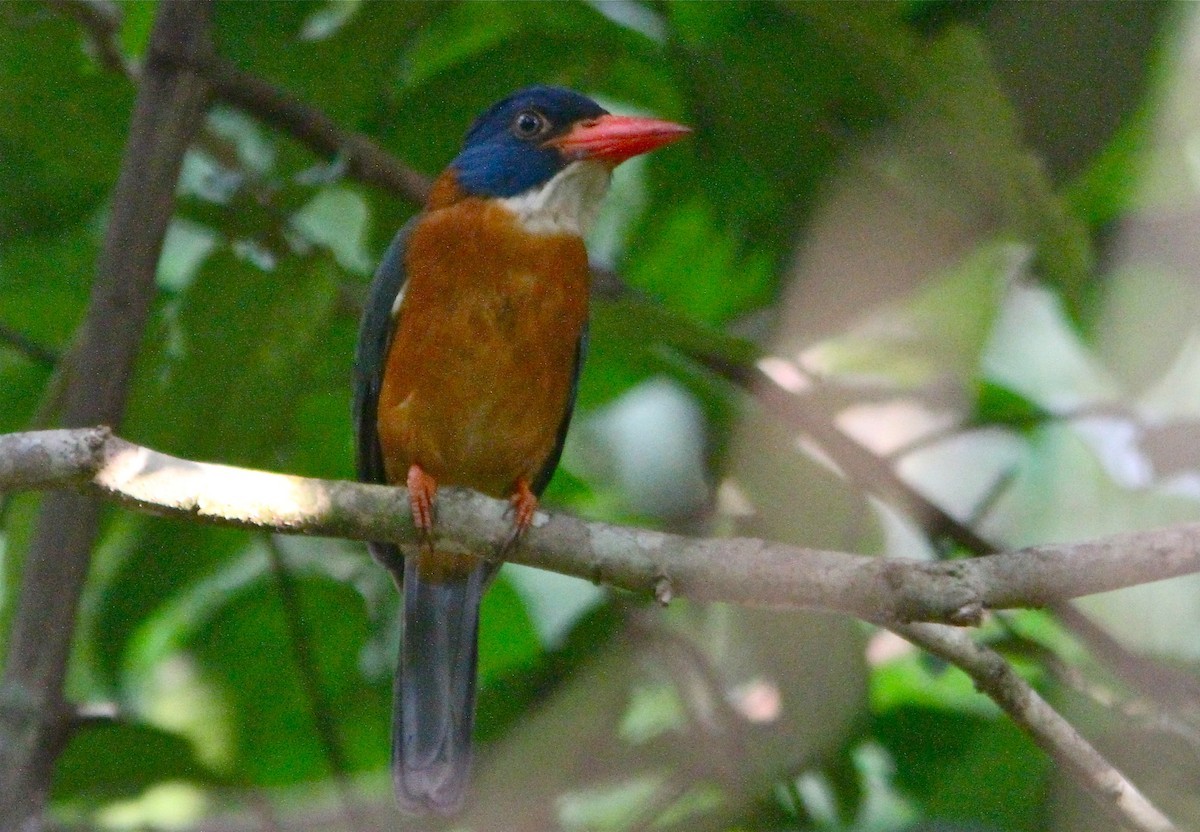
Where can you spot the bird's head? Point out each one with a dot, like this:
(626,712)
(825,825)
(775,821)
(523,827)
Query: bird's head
(547,152)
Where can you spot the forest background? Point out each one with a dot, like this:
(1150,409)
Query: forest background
(922,284)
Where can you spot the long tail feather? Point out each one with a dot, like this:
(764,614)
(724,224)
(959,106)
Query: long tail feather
(435,688)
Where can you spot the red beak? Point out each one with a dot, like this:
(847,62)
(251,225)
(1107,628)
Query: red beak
(613,139)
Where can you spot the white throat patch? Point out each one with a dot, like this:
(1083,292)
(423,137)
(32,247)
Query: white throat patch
(567,204)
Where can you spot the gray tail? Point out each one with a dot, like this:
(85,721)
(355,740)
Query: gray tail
(435,688)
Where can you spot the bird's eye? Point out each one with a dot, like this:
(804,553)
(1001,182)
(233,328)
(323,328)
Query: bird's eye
(529,124)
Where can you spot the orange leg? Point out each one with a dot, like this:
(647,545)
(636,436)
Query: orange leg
(422,489)
(524,503)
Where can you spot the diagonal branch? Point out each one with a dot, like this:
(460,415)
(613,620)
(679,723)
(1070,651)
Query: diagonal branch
(30,348)
(736,570)
(1054,734)
(365,160)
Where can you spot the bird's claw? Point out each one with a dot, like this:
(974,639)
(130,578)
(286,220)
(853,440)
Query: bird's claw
(422,491)
(524,506)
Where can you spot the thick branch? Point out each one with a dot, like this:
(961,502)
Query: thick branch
(34,719)
(1056,736)
(736,570)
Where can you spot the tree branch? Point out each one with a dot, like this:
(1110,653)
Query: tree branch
(34,717)
(736,570)
(25,345)
(365,160)
(1054,734)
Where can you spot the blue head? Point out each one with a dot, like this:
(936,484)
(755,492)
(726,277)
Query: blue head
(522,141)
(506,151)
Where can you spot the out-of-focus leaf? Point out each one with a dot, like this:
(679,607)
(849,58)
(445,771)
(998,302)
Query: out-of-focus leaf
(245,648)
(109,761)
(1109,186)
(931,15)
(946,97)
(345,73)
(628,341)
(721,281)
(755,159)
(507,639)
(944,329)
(971,112)
(137,19)
(1036,353)
(997,405)
(221,382)
(238,351)
(63,127)
(941,758)
(908,681)
(44,284)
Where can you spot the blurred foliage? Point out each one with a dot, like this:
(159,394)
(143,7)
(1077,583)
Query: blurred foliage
(247,362)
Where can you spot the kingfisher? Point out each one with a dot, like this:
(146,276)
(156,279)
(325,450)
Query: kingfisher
(466,369)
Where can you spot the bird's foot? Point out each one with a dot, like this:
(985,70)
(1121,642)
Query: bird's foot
(524,505)
(422,491)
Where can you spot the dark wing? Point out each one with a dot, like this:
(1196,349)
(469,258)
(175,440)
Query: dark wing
(370,357)
(543,477)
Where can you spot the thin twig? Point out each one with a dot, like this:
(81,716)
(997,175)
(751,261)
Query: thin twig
(28,347)
(102,20)
(306,667)
(1054,734)
(364,159)
(1170,687)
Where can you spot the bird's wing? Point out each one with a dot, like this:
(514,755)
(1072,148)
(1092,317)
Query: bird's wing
(370,358)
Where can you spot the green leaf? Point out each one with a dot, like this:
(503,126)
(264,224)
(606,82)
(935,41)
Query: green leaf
(235,358)
(943,329)
(941,759)
(245,649)
(107,761)
(345,72)
(961,127)
(63,127)
(508,642)
(997,405)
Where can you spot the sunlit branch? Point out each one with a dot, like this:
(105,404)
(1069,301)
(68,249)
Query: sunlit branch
(736,570)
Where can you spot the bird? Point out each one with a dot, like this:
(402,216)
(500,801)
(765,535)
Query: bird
(466,370)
